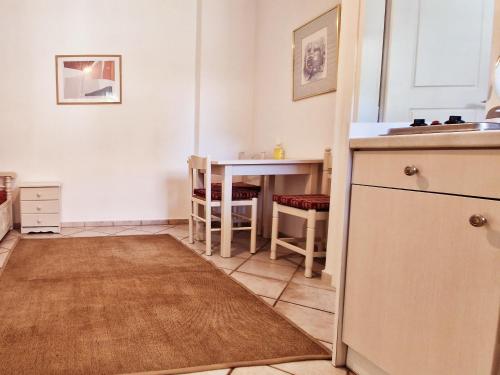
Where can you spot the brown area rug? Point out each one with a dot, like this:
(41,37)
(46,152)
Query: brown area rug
(133,304)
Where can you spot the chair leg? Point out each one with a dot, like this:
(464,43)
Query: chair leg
(232,226)
(196,223)
(191,236)
(311,229)
(274,233)
(260,209)
(253,231)
(208,230)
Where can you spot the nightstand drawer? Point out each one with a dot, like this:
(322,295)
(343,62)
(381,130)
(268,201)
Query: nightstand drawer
(40,220)
(39,193)
(463,172)
(40,207)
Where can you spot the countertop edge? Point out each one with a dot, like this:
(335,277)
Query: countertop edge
(480,139)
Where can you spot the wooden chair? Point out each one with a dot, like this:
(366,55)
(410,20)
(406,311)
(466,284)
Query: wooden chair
(313,208)
(209,196)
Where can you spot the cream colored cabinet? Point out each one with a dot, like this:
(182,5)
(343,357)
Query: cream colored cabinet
(423,274)
(40,207)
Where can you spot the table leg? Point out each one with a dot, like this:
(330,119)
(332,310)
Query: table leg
(226,221)
(312,180)
(267,198)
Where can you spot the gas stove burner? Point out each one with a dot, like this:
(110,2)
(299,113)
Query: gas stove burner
(446,128)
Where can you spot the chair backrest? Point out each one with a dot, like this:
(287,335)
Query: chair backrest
(200,175)
(199,162)
(327,171)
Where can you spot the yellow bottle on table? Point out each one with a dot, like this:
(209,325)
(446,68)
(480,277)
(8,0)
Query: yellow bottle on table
(279,152)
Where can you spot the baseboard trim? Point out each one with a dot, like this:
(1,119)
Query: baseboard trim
(119,223)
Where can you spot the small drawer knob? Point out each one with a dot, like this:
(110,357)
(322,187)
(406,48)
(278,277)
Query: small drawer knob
(39,221)
(477,220)
(38,195)
(410,170)
(38,208)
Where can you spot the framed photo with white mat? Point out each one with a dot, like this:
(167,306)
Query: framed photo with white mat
(315,55)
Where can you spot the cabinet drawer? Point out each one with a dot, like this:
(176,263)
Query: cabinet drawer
(38,194)
(40,220)
(40,207)
(464,172)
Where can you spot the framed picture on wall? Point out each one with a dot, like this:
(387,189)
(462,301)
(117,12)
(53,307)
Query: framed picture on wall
(89,79)
(315,55)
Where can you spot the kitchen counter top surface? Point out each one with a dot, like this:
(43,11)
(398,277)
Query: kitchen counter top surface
(472,139)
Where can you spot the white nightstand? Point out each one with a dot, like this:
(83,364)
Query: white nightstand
(40,207)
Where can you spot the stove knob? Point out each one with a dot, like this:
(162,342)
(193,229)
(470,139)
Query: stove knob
(455,120)
(419,122)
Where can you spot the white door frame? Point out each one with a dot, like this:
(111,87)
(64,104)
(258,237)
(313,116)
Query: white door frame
(338,223)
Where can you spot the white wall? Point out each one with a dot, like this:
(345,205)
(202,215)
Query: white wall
(115,161)
(305,127)
(212,76)
(227,77)
(128,161)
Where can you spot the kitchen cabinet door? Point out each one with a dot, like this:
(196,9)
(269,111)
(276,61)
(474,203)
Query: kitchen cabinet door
(423,284)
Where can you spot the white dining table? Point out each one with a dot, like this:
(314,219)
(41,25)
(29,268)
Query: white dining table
(259,167)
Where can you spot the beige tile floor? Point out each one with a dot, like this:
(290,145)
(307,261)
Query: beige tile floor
(281,283)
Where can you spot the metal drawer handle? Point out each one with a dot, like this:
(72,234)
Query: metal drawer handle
(411,170)
(477,220)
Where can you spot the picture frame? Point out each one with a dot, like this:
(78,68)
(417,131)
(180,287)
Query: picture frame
(88,79)
(315,48)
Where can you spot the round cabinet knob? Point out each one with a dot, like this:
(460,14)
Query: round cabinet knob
(39,221)
(38,195)
(410,170)
(477,220)
(38,208)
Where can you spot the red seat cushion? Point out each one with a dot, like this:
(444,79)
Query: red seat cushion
(237,185)
(3,196)
(318,202)
(241,191)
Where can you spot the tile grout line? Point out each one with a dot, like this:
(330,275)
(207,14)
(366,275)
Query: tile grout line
(242,263)
(263,261)
(286,286)
(284,371)
(298,304)
(250,257)
(264,277)
(9,252)
(124,228)
(292,264)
